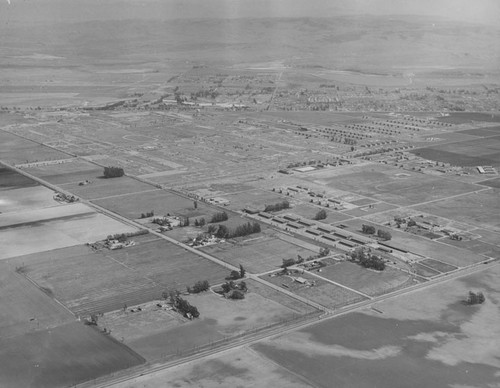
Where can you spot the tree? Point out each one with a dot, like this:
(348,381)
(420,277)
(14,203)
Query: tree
(242,271)
(113,172)
(195,204)
(198,287)
(368,229)
(384,234)
(320,215)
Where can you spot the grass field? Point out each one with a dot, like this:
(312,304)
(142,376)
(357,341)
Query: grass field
(102,187)
(220,318)
(254,198)
(493,183)
(366,281)
(160,201)
(56,227)
(412,341)
(16,150)
(24,308)
(438,265)
(25,198)
(477,152)
(480,209)
(259,255)
(60,357)
(425,271)
(382,182)
(76,170)
(12,180)
(80,278)
(237,368)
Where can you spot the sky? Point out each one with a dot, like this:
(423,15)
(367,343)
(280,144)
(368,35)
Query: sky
(47,11)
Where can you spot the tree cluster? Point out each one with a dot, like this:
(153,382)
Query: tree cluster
(475,298)
(233,290)
(234,275)
(219,217)
(368,229)
(384,234)
(148,214)
(199,286)
(291,261)
(222,231)
(320,215)
(367,260)
(113,172)
(277,206)
(181,305)
(201,222)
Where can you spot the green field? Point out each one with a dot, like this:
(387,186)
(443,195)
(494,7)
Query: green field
(160,201)
(367,281)
(61,357)
(80,278)
(257,255)
(479,209)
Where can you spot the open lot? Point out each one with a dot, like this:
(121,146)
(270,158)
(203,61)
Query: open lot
(256,198)
(415,340)
(480,209)
(73,170)
(80,278)
(16,150)
(477,152)
(364,280)
(257,255)
(237,368)
(60,357)
(160,201)
(220,319)
(102,187)
(54,228)
(385,183)
(12,180)
(24,308)
(21,199)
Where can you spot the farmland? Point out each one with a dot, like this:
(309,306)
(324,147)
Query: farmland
(406,342)
(155,333)
(258,255)
(368,282)
(62,356)
(77,276)
(378,120)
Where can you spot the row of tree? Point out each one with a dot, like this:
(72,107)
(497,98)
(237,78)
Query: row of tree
(219,217)
(222,231)
(277,206)
(291,261)
(113,172)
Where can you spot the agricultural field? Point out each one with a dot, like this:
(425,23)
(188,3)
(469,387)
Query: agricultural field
(55,227)
(256,198)
(241,367)
(385,183)
(480,208)
(476,152)
(61,357)
(16,150)
(101,187)
(79,277)
(71,171)
(10,179)
(367,281)
(24,308)
(414,340)
(322,292)
(161,202)
(220,319)
(26,198)
(309,211)
(257,255)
